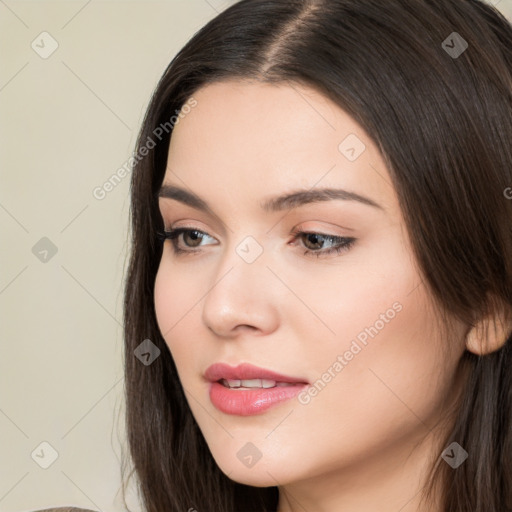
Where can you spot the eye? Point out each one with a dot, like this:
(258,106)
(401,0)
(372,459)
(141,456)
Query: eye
(195,235)
(311,240)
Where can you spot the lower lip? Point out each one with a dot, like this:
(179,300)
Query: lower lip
(248,402)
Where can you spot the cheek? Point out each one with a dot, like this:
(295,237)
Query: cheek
(165,298)
(391,374)
(385,364)
(177,300)
(362,299)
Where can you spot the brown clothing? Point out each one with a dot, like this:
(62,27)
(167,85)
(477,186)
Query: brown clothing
(65,509)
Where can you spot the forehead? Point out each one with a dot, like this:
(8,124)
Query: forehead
(255,138)
(261,113)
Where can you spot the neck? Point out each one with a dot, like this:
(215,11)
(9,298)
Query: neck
(387,481)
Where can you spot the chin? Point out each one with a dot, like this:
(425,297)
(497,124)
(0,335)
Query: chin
(253,477)
(261,474)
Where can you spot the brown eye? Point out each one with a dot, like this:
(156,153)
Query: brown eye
(195,237)
(315,239)
(314,243)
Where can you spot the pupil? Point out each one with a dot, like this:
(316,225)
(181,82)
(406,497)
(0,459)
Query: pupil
(194,236)
(315,237)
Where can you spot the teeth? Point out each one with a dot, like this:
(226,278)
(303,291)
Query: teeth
(253,383)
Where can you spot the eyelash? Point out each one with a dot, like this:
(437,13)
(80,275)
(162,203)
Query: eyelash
(343,243)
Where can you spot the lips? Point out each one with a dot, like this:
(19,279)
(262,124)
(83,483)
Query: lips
(247,372)
(246,390)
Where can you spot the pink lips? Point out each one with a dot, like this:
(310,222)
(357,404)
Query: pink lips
(244,401)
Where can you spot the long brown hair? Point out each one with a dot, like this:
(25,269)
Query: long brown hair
(431,83)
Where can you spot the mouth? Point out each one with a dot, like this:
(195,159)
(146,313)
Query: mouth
(245,390)
(254,383)
(248,375)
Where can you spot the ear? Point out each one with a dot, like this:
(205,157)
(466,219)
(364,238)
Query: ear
(490,332)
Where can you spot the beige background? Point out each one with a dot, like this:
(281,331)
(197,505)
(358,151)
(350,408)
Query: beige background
(68,122)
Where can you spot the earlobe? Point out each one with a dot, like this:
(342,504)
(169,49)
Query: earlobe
(489,334)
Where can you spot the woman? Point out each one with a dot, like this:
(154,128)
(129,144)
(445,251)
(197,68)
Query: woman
(318,308)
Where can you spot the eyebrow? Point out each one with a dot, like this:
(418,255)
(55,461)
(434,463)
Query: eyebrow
(272,204)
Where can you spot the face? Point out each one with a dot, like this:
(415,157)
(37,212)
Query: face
(342,308)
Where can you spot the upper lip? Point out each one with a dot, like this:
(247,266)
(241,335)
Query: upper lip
(246,371)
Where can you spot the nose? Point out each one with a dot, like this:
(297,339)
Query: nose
(243,296)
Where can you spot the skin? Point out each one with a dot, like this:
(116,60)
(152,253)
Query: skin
(364,441)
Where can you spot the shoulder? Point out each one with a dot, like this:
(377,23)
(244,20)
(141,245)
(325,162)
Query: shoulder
(64,509)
